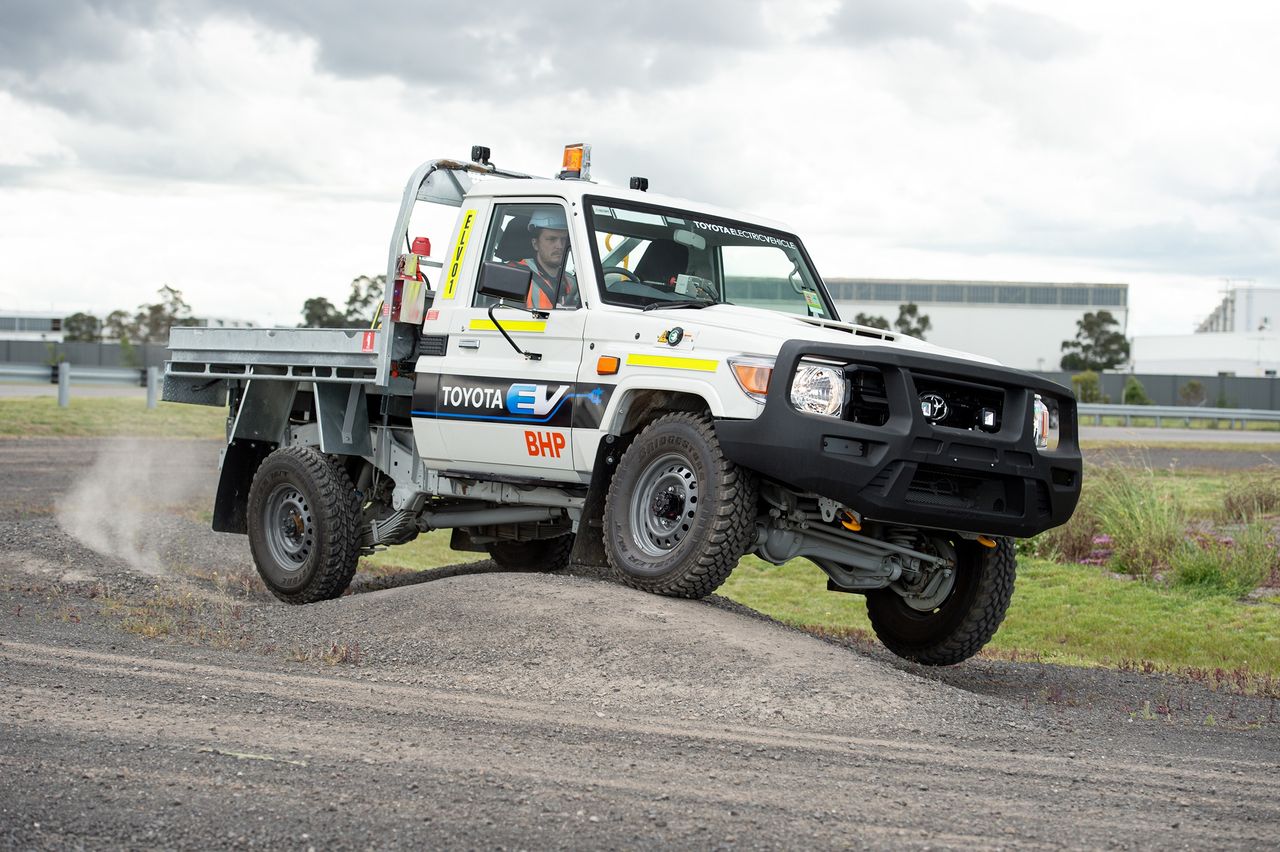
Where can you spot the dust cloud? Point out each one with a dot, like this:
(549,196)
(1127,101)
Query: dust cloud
(123,505)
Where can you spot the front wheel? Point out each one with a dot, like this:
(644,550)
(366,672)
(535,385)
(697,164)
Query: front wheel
(962,622)
(303,525)
(679,515)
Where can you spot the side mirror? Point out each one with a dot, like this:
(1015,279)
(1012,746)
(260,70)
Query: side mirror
(505,282)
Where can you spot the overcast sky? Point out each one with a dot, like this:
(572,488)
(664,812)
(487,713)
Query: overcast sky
(253,154)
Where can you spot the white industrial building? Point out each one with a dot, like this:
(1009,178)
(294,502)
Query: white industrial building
(1019,323)
(31,325)
(1240,338)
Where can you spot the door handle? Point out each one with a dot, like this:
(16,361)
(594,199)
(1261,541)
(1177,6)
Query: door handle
(468,343)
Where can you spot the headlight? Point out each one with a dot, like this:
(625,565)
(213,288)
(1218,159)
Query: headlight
(753,373)
(819,389)
(1044,423)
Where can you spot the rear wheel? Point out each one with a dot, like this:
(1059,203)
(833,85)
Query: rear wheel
(303,525)
(960,623)
(544,554)
(679,515)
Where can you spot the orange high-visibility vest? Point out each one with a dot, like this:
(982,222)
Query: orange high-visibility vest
(543,291)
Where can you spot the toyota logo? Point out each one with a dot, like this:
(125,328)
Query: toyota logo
(933,406)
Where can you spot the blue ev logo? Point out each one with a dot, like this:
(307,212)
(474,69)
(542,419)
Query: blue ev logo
(535,400)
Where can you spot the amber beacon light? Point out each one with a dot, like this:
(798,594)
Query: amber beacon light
(577,162)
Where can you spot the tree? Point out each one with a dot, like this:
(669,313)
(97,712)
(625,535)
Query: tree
(319,312)
(1098,344)
(118,326)
(366,292)
(911,322)
(152,322)
(872,322)
(1134,392)
(81,328)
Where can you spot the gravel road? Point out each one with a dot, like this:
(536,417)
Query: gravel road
(154,696)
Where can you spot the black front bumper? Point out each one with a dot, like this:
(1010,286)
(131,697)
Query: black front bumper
(907,470)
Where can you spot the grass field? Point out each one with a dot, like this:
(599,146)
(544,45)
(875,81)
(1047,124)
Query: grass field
(1072,614)
(101,417)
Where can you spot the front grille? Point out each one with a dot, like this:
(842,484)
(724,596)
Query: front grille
(961,403)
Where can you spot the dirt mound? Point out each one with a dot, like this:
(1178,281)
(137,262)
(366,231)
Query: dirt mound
(562,638)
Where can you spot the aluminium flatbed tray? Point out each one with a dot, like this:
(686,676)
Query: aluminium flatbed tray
(343,355)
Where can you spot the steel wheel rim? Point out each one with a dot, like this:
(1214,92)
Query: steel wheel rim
(664,504)
(289,526)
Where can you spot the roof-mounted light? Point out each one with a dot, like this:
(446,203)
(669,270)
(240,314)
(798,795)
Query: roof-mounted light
(640,183)
(480,154)
(577,162)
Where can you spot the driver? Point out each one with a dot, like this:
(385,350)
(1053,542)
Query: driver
(550,240)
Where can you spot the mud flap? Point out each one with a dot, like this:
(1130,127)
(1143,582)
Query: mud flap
(588,555)
(239,464)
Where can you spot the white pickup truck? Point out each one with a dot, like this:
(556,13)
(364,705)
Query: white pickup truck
(615,378)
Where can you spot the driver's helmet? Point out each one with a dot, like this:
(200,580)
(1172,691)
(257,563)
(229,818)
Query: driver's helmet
(547,217)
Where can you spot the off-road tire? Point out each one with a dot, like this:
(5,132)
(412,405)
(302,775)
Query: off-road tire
(721,520)
(544,554)
(325,544)
(964,622)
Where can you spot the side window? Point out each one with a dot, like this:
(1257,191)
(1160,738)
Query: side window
(535,236)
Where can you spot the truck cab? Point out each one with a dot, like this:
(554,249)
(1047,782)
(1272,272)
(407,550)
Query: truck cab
(644,384)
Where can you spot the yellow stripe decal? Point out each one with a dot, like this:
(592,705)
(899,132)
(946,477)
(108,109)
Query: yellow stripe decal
(532,326)
(459,251)
(672,362)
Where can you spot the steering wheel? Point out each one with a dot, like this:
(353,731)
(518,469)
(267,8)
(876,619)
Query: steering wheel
(624,272)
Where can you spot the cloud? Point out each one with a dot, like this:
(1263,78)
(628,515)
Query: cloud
(1182,246)
(497,51)
(961,137)
(957,25)
(36,35)
(511,43)
(942,22)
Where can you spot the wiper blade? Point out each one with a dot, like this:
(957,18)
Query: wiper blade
(684,303)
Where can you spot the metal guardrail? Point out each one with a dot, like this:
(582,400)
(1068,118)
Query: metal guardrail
(63,374)
(1184,413)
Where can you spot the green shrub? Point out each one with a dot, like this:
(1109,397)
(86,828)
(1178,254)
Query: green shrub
(1088,386)
(1228,565)
(1074,540)
(1192,393)
(1135,393)
(1145,525)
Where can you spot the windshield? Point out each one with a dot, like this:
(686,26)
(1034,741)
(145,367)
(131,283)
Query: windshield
(657,257)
